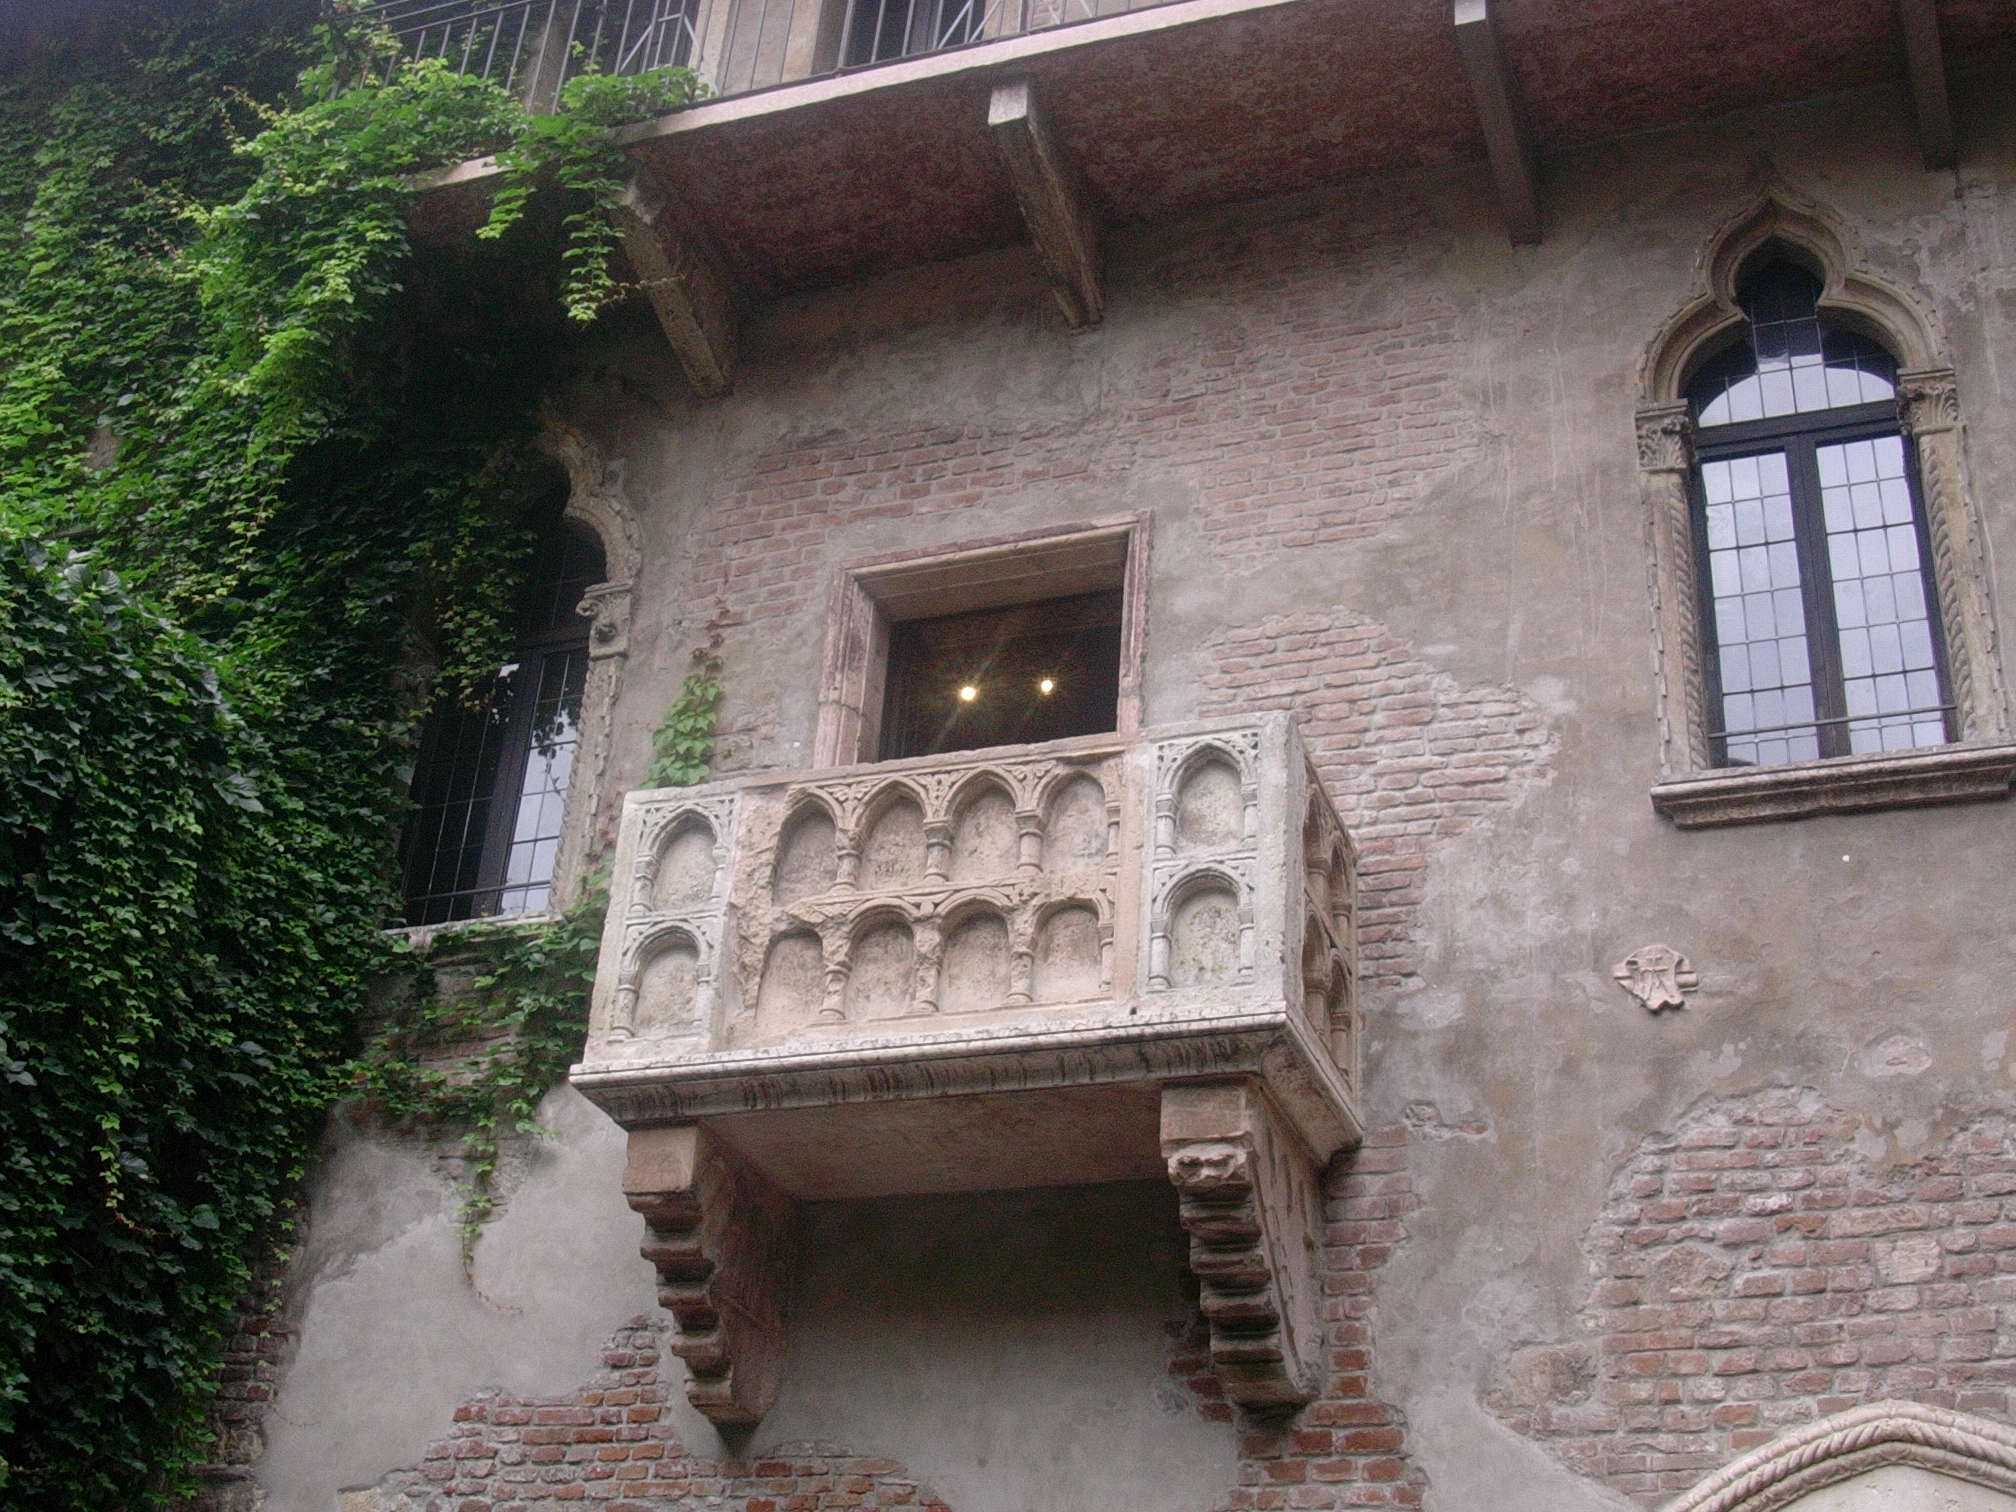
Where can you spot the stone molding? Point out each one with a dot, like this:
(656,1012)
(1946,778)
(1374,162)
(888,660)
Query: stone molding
(1851,1443)
(1839,785)
(1901,320)
(595,499)
(1691,791)
(1275,1047)
(867,597)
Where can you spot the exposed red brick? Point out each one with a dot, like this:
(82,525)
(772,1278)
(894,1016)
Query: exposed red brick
(1410,757)
(1708,1333)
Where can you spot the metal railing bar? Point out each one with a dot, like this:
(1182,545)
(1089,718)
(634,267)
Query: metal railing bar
(496,38)
(1843,719)
(624,50)
(517,49)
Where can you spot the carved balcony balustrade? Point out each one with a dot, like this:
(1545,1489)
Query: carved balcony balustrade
(1098,959)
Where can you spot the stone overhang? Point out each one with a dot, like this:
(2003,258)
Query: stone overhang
(1098,959)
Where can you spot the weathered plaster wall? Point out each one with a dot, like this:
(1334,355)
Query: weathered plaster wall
(1390,467)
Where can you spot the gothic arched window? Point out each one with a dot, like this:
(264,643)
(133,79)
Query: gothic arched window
(1821,629)
(490,789)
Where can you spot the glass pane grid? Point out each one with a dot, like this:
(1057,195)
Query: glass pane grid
(1790,365)
(542,794)
(462,859)
(444,843)
(1889,665)
(1760,612)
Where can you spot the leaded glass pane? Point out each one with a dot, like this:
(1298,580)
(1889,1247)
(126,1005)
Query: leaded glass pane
(1790,365)
(1889,665)
(1767,694)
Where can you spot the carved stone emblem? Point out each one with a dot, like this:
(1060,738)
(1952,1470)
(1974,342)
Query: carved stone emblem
(1658,976)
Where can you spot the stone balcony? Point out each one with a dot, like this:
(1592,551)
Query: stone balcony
(1100,959)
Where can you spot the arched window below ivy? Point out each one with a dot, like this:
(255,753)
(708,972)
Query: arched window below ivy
(490,789)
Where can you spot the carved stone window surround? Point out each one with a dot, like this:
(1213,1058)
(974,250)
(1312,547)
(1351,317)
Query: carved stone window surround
(595,498)
(1982,763)
(867,597)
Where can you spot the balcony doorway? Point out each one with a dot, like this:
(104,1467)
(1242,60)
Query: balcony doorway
(1016,676)
(1016,641)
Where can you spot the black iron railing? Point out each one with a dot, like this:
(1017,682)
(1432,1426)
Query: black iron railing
(532,47)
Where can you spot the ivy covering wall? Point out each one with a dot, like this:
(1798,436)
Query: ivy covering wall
(261,473)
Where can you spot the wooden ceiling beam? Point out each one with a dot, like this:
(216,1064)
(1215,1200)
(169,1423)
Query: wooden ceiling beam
(689,292)
(1925,60)
(1499,113)
(1053,200)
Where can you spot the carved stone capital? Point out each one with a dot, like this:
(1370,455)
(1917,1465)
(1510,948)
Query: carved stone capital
(1665,438)
(719,1234)
(1928,401)
(1251,1207)
(607,607)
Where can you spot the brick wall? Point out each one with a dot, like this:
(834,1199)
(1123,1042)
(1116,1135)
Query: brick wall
(1302,380)
(1410,757)
(1349,1447)
(1753,1272)
(254,1349)
(611,1444)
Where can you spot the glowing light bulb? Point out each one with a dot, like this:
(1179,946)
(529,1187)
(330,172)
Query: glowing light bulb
(968,693)
(1048,685)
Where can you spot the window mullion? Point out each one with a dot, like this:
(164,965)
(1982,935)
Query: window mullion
(1823,635)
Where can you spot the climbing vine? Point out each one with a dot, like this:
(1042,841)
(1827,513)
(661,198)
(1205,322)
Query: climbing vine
(263,477)
(475,1057)
(574,149)
(682,747)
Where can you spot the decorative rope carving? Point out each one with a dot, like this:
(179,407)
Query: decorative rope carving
(1929,407)
(1851,1443)
(1665,457)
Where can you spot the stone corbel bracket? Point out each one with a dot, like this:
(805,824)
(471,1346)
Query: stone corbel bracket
(719,1235)
(1053,200)
(689,292)
(1253,1212)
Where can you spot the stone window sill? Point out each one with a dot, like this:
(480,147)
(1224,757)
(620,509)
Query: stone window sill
(423,938)
(1844,784)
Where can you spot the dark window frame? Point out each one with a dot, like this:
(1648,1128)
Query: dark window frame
(550,638)
(1798,437)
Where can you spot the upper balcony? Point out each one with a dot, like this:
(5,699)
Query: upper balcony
(532,47)
(1106,958)
(853,138)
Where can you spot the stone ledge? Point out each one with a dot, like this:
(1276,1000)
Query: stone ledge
(1843,784)
(1274,1046)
